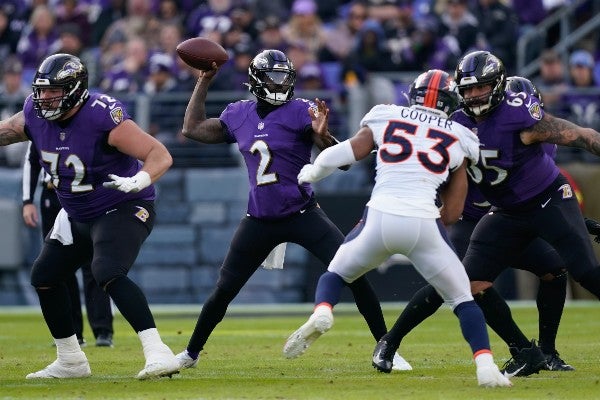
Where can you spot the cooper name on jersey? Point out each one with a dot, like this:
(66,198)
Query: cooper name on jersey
(418,115)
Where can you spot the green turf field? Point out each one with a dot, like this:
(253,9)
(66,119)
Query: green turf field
(243,359)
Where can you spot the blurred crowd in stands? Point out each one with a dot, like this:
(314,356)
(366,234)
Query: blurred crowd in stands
(129,45)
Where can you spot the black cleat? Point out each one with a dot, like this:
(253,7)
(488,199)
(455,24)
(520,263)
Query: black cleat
(525,361)
(104,340)
(555,363)
(383,357)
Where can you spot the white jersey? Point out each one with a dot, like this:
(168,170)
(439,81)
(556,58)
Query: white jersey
(417,146)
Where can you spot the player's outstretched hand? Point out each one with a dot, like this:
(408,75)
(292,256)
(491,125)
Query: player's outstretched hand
(593,228)
(312,173)
(320,117)
(134,184)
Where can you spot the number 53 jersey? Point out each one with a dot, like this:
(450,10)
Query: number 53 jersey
(417,147)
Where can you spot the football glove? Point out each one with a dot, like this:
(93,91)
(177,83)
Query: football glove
(133,184)
(593,228)
(313,173)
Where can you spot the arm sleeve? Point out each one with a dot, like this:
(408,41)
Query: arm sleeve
(336,156)
(31,173)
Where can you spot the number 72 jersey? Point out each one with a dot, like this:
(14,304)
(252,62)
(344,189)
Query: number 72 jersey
(417,147)
(77,156)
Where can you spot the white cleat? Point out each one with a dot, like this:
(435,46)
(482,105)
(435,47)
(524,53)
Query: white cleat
(490,376)
(65,367)
(400,364)
(319,322)
(185,361)
(160,362)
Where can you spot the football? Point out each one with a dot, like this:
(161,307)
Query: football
(200,53)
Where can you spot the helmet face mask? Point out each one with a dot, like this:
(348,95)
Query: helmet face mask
(434,89)
(480,69)
(59,85)
(271,77)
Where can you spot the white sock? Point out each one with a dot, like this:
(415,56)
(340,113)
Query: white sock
(67,346)
(484,360)
(150,337)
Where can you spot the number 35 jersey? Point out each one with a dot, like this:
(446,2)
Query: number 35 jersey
(417,147)
(509,172)
(76,154)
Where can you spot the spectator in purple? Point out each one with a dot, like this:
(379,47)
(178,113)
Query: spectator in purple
(305,27)
(72,12)
(212,15)
(39,40)
(129,75)
(310,77)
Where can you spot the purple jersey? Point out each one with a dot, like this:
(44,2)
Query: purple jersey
(476,206)
(275,149)
(78,157)
(509,172)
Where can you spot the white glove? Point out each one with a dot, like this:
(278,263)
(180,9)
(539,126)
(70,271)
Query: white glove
(313,173)
(134,184)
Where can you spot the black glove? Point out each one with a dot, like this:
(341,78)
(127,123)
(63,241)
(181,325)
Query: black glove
(593,228)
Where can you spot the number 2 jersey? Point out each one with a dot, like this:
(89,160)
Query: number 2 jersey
(76,154)
(509,173)
(417,147)
(274,148)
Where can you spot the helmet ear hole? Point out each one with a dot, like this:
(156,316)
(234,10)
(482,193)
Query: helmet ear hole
(271,77)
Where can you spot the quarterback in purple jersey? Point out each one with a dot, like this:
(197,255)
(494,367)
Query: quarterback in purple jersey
(93,152)
(530,198)
(275,134)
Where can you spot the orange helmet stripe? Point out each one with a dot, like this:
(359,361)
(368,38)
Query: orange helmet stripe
(432,90)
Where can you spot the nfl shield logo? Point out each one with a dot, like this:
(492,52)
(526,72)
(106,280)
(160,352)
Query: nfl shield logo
(62,136)
(261,126)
